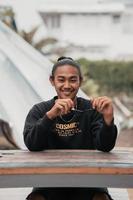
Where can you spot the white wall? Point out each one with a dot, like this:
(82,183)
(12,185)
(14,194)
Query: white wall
(86,29)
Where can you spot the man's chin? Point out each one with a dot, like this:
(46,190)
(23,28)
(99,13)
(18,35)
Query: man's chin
(68,97)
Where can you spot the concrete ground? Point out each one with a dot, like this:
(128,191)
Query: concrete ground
(125,139)
(14,193)
(21,193)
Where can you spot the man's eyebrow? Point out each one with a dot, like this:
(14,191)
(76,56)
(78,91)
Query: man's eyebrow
(60,76)
(63,76)
(74,76)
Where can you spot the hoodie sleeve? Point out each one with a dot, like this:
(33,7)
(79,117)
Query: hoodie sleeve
(104,136)
(36,130)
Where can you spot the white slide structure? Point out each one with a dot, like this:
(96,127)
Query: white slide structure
(24,80)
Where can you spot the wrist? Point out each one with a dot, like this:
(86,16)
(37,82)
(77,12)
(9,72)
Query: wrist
(108,120)
(50,115)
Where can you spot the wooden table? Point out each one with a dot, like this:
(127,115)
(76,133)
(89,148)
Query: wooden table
(66,168)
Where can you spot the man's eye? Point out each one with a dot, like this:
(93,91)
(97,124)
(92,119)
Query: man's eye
(73,80)
(60,80)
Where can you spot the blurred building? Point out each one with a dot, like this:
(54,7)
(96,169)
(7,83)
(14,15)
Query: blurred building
(97,29)
(83,25)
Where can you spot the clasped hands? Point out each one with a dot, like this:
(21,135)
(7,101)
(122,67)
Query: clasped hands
(102,104)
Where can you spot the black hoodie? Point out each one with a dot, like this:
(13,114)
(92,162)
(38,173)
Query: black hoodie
(76,130)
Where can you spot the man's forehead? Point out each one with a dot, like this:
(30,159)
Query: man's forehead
(64,75)
(66,69)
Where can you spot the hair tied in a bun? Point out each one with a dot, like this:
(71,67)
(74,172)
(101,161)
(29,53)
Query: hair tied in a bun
(63,58)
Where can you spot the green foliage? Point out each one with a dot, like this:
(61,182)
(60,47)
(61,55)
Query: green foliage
(90,87)
(111,76)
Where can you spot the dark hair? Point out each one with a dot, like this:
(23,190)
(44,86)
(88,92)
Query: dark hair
(63,61)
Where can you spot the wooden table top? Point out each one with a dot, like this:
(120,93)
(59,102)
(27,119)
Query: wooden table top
(119,161)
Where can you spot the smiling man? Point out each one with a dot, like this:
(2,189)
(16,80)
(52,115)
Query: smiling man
(70,122)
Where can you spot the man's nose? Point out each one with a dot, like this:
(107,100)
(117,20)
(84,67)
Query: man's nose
(66,84)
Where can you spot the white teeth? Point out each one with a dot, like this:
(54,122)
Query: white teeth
(66,92)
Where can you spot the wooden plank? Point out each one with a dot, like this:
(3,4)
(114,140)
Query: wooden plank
(67,168)
(66,161)
(67,157)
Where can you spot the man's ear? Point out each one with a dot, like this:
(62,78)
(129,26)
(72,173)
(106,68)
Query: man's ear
(51,79)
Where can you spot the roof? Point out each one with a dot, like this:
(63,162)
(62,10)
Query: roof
(84,9)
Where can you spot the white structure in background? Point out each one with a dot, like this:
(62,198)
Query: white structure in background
(100,29)
(98,26)
(26,16)
(24,76)
(83,25)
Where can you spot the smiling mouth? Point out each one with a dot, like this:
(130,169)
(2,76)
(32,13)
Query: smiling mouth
(66,92)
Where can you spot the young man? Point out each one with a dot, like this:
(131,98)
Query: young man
(70,122)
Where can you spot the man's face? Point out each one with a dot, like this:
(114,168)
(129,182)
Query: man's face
(66,82)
